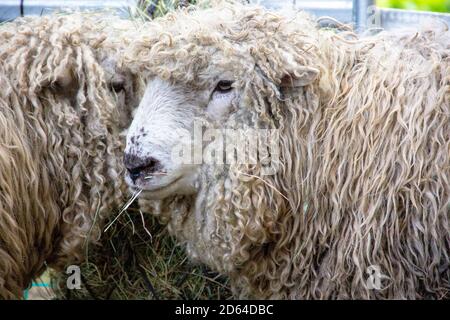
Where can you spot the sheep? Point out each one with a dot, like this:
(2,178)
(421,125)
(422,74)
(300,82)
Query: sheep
(64,102)
(358,204)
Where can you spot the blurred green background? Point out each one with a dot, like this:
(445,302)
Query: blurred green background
(426,5)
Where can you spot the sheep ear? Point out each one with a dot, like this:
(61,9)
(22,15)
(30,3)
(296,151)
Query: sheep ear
(300,78)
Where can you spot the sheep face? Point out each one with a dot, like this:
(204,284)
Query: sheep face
(206,81)
(162,155)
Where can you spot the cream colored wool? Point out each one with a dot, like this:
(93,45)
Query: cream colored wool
(60,149)
(365,154)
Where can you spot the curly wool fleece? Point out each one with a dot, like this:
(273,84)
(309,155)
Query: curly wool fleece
(60,149)
(364,178)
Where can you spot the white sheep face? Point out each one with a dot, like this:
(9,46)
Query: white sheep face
(160,140)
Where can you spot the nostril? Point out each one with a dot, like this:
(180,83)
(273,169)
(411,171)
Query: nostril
(152,164)
(134,173)
(138,166)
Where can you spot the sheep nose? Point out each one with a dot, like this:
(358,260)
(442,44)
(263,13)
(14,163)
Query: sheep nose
(138,166)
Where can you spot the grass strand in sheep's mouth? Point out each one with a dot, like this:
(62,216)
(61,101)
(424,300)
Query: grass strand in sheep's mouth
(155,174)
(159,188)
(125,207)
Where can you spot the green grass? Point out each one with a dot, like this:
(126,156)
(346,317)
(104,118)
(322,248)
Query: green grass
(424,5)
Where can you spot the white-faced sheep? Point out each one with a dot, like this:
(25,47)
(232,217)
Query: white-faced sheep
(363,177)
(63,103)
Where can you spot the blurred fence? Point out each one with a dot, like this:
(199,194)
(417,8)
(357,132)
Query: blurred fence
(11,9)
(361,13)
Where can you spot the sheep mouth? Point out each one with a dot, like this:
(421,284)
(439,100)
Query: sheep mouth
(158,188)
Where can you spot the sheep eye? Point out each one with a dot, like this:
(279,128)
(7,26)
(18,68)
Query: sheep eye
(224,86)
(117,87)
